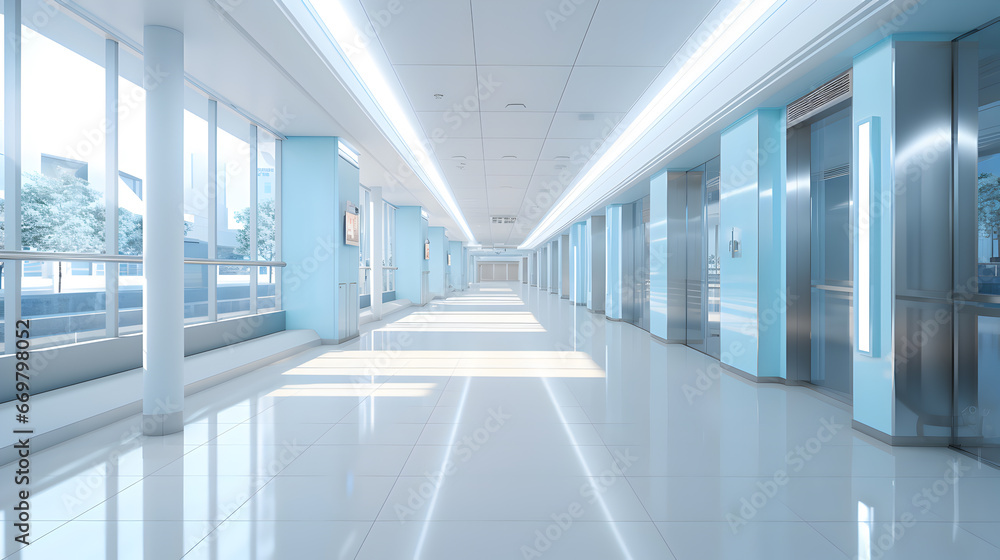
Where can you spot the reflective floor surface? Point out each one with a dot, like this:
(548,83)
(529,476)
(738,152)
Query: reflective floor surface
(502,423)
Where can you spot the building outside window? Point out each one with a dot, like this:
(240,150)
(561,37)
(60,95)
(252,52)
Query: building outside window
(364,248)
(66,203)
(388,247)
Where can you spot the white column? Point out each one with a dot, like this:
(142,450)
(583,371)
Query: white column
(376,219)
(163,235)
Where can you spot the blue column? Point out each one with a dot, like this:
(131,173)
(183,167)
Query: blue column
(596,263)
(554,272)
(411,232)
(752,272)
(316,186)
(613,244)
(904,370)
(565,265)
(577,265)
(438,262)
(456,270)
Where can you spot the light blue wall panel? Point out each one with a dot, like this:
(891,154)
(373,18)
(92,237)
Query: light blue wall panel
(457,269)
(613,271)
(773,285)
(597,262)
(438,263)
(739,207)
(554,267)
(410,235)
(873,375)
(316,185)
(577,264)
(658,252)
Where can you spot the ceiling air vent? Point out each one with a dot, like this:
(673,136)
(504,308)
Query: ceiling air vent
(503,219)
(831,93)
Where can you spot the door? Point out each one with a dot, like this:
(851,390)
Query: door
(820,270)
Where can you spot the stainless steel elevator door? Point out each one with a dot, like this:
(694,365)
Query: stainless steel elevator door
(711,283)
(831,271)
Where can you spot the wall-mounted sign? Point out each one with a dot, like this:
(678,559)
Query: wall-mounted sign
(352,225)
(427,250)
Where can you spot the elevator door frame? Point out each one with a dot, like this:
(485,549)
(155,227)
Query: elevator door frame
(799,255)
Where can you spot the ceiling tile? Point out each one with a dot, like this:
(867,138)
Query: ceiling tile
(448,148)
(642,32)
(538,88)
(548,32)
(584,126)
(606,89)
(514,181)
(449,125)
(515,125)
(438,32)
(509,167)
(557,167)
(522,148)
(457,85)
(576,149)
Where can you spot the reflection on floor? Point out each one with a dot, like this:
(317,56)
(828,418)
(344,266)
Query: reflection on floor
(504,422)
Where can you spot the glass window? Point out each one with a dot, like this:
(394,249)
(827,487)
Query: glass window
(63,174)
(131,178)
(196,206)
(267,174)
(388,247)
(364,248)
(3,194)
(233,182)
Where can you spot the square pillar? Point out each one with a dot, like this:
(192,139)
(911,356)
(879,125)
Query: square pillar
(904,284)
(615,251)
(752,277)
(321,280)
(438,263)
(596,263)
(412,268)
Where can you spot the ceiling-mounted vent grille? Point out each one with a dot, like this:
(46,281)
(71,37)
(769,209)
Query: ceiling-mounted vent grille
(831,93)
(503,219)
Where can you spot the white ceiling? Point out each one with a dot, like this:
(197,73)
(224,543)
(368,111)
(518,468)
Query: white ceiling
(577,67)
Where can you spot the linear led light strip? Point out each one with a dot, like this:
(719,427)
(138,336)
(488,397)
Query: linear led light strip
(864,237)
(744,16)
(342,32)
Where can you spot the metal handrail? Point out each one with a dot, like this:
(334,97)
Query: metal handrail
(137,259)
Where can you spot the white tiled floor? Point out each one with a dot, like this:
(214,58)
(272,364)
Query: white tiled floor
(504,423)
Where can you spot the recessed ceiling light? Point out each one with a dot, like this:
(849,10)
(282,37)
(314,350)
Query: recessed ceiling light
(457,157)
(509,157)
(561,157)
(516,106)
